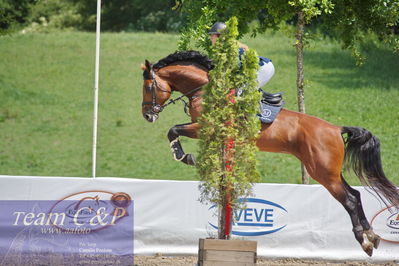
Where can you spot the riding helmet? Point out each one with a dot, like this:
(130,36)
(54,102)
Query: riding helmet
(217,28)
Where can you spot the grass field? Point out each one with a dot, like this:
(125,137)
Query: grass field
(46,103)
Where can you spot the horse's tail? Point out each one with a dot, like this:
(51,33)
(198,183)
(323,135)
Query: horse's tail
(362,154)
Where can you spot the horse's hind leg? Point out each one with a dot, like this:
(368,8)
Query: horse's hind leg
(350,199)
(371,236)
(323,157)
(187,130)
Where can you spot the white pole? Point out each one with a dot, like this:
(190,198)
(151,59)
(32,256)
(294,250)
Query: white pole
(97,70)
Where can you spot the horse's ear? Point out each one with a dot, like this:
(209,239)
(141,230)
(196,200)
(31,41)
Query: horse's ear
(148,65)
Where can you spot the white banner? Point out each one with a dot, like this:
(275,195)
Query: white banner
(287,221)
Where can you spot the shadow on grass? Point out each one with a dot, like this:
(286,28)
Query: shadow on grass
(337,69)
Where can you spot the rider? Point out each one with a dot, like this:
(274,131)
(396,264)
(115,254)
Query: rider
(266,67)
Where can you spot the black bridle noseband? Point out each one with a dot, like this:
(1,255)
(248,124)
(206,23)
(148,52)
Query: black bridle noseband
(157,108)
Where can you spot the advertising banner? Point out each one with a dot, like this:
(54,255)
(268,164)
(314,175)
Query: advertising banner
(287,221)
(86,228)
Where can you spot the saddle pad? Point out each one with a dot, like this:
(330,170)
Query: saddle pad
(268,112)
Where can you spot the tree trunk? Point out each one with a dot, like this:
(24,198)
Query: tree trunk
(300,77)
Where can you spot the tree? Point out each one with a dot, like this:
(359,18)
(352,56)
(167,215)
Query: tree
(229,127)
(353,20)
(116,15)
(13,13)
(129,15)
(347,20)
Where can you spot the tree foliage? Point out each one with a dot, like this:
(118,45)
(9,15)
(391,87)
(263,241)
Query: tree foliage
(195,32)
(227,117)
(353,20)
(269,14)
(12,13)
(349,21)
(116,15)
(48,15)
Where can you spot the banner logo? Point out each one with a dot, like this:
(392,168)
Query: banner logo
(386,224)
(393,221)
(260,217)
(89,211)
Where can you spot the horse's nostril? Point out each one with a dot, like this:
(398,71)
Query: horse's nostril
(150,117)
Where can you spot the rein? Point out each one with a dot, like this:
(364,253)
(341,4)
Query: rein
(180,98)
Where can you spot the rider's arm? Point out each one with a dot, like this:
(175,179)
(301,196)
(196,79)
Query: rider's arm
(244,46)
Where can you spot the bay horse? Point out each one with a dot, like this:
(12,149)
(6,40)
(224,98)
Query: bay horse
(319,145)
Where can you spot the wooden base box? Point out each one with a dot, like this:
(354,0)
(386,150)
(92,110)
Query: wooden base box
(218,252)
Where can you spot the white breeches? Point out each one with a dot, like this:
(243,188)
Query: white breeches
(265,73)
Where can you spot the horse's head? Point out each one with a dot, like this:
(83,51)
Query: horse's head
(156,92)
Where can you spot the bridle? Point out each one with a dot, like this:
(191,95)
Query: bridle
(157,108)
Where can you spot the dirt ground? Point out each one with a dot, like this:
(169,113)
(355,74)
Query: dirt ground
(160,260)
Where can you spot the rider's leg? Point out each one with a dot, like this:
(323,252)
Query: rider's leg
(265,73)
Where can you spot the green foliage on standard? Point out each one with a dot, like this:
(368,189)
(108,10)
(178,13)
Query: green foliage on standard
(227,118)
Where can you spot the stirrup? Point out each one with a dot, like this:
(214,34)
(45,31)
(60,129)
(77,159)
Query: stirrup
(271,98)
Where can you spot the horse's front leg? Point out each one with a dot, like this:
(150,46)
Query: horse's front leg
(186,130)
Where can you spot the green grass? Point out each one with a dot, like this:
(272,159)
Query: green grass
(46,103)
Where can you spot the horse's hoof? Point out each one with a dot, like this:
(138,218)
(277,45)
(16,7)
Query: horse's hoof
(374,238)
(377,242)
(367,246)
(189,159)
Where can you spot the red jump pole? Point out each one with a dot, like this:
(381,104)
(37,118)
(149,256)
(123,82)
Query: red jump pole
(229,167)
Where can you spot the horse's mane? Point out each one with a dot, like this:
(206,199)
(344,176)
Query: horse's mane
(193,56)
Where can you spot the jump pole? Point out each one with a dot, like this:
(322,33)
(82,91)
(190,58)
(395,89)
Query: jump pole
(96,88)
